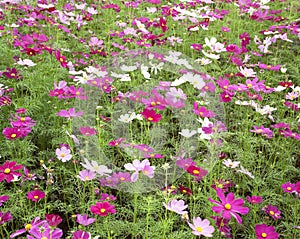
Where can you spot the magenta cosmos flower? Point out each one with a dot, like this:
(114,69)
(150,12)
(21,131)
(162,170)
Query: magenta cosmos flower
(12,133)
(34,223)
(103,209)
(229,206)
(201,227)
(5,217)
(263,231)
(8,171)
(69,113)
(254,199)
(151,115)
(3,199)
(35,195)
(272,211)
(80,235)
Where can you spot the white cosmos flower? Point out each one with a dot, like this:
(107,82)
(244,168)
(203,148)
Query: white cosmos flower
(121,77)
(26,62)
(94,167)
(211,55)
(203,61)
(128,68)
(145,73)
(156,67)
(245,171)
(197,81)
(187,133)
(231,164)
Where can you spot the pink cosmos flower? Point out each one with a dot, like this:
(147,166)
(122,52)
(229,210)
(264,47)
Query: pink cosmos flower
(87,131)
(176,206)
(151,115)
(53,219)
(12,133)
(81,235)
(103,209)
(185,163)
(86,175)
(5,217)
(263,231)
(201,227)
(254,199)
(288,187)
(138,166)
(229,206)
(107,197)
(84,220)
(203,112)
(63,154)
(3,199)
(35,195)
(36,222)
(8,171)
(272,211)
(69,113)
(45,231)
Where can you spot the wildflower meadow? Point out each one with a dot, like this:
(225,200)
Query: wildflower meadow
(149,119)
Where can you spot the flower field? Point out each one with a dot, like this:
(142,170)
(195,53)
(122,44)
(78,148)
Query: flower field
(149,119)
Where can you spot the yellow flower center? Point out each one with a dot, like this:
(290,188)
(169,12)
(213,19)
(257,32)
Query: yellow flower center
(225,87)
(102,210)
(22,119)
(289,188)
(150,118)
(259,131)
(28,226)
(44,237)
(61,59)
(122,178)
(264,235)
(13,136)
(272,213)
(145,172)
(227,206)
(268,66)
(13,74)
(35,197)
(62,155)
(184,191)
(199,229)
(7,171)
(249,85)
(87,178)
(195,171)
(153,103)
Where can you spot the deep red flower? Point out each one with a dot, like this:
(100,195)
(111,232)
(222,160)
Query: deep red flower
(151,115)
(53,219)
(198,172)
(7,171)
(163,24)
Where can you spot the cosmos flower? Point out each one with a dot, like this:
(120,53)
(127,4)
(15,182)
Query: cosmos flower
(201,227)
(176,206)
(229,206)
